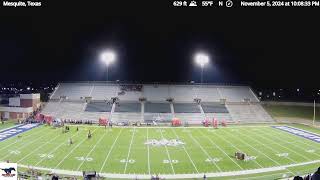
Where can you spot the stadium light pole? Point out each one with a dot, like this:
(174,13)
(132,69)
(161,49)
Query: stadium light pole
(201,59)
(108,57)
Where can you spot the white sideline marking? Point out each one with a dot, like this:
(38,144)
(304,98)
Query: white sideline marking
(234,147)
(73,150)
(299,141)
(289,148)
(176,176)
(270,147)
(195,167)
(203,150)
(168,155)
(91,150)
(221,150)
(38,148)
(19,141)
(129,151)
(51,152)
(257,150)
(149,169)
(26,144)
(114,142)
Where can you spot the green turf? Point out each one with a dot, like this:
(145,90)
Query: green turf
(122,150)
(303,112)
(7,124)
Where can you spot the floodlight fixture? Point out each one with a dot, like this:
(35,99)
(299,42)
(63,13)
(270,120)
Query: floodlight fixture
(108,57)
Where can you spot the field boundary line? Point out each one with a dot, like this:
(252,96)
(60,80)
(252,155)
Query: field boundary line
(176,176)
(92,149)
(203,150)
(268,146)
(235,147)
(54,149)
(112,146)
(129,151)
(289,148)
(26,144)
(221,150)
(18,141)
(168,154)
(74,148)
(195,167)
(149,169)
(38,148)
(257,150)
(302,141)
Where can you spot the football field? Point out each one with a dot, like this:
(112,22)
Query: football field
(175,152)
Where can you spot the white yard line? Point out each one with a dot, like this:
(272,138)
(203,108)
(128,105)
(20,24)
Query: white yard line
(203,150)
(217,134)
(176,176)
(287,147)
(112,146)
(54,150)
(168,154)
(267,146)
(221,149)
(256,149)
(24,145)
(298,141)
(39,147)
(18,140)
(85,139)
(1,130)
(185,150)
(149,169)
(93,148)
(129,151)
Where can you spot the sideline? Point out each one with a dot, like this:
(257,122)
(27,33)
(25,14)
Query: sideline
(176,176)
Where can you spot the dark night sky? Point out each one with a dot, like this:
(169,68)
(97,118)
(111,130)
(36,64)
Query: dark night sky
(155,42)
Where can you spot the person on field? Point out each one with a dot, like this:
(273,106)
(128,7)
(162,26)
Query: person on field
(89,134)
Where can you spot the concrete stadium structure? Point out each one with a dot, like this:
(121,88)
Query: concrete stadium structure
(191,103)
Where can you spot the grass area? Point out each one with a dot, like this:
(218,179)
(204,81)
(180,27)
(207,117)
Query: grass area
(303,112)
(7,124)
(123,150)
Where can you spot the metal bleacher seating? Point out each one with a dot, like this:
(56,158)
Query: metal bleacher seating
(157,108)
(98,107)
(241,104)
(207,93)
(186,108)
(156,93)
(101,91)
(73,91)
(214,107)
(128,107)
(237,94)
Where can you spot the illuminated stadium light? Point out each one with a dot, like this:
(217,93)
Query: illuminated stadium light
(201,59)
(108,57)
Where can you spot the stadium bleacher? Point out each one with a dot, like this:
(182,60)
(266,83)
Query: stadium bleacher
(128,107)
(241,104)
(157,108)
(98,107)
(211,107)
(186,108)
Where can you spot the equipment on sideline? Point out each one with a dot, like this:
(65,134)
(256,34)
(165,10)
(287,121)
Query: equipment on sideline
(240,156)
(89,175)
